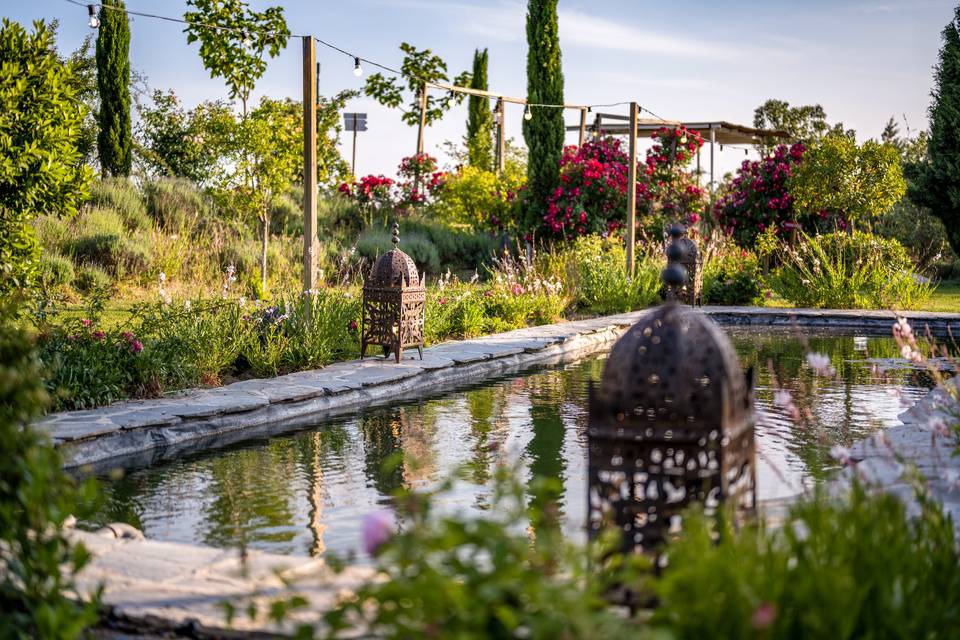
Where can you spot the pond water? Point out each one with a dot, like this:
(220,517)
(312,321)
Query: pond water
(306,493)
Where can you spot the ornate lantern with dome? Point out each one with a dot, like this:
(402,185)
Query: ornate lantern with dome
(393,304)
(671,422)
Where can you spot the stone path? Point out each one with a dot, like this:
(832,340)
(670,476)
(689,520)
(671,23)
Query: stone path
(179,588)
(136,433)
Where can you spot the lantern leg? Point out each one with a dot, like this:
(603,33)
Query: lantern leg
(363,348)
(420,350)
(399,352)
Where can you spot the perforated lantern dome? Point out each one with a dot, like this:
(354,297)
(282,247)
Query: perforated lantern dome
(683,250)
(671,422)
(393,304)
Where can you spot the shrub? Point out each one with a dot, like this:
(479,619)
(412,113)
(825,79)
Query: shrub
(456,248)
(376,241)
(121,196)
(37,563)
(732,279)
(56,271)
(97,221)
(117,255)
(480,199)
(595,271)
(286,216)
(849,271)
(920,232)
(856,568)
(90,279)
(757,199)
(176,203)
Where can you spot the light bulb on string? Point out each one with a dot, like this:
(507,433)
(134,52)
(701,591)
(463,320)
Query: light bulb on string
(527,114)
(683,138)
(94,21)
(746,152)
(357,69)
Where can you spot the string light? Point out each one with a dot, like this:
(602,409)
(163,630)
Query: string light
(683,139)
(527,115)
(94,21)
(357,69)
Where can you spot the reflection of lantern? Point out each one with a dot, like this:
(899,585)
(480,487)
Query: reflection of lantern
(670,423)
(682,250)
(393,304)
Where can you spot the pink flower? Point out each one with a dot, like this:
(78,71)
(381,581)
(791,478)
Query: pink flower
(136,346)
(517,289)
(86,322)
(377,529)
(353,325)
(98,335)
(764,616)
(841,454)
(820,363)
(442,301)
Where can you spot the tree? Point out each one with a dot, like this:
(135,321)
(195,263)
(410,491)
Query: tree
(263,158)
(235,48)
(544,131)
(418,67)
(839,178)
(40,167)
(805,124)
(480,120)
(935,180)
(84,63)
(115,139)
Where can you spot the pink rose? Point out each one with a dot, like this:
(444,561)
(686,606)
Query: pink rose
(377,529)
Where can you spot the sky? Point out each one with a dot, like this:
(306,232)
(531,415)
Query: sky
(682,59)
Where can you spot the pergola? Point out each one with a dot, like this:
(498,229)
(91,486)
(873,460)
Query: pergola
(716,132)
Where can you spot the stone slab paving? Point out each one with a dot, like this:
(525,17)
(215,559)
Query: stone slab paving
(171,587)
(145,431)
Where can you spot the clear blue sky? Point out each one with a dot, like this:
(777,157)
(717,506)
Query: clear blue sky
(695,59)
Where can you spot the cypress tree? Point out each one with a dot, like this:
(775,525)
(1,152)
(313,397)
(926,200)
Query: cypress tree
(479,118)
(544,131)
(934,183)
(114,141)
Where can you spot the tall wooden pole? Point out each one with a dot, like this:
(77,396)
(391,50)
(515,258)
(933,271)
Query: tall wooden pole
(353,163)
(632,190)
(309,164)
(501,136)
(583,127)
(420,130)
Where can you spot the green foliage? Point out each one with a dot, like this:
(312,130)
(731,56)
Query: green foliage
(732,278)
(419,66)
(834,569)
(480,198)
(375,241)
(806,123)
(594,270)
(236,50)
(176,204)
(921,233)
(175,142)
(507,574)
(839,178)
(848,271)
(545,131)
(117,254)
(121,196)
(56,272)
(115,139)
(479,119)
(37,561)
(92,279)
(935,179)
(40,167)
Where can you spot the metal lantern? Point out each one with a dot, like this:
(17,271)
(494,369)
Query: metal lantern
(682,250)
(671,422)
(393,304)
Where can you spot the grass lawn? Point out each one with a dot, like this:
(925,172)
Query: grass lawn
(945,298)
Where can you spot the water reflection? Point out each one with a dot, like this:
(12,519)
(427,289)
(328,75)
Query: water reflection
(306,493)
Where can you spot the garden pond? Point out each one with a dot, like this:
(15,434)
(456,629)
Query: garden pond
(306,493)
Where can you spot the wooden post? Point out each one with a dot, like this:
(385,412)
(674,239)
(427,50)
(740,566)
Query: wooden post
(583,127)
(420,130)
(632,190)
(309,164)
(501,136)
(353,163)
(713,143)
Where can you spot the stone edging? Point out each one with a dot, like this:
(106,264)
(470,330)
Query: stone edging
(136,433)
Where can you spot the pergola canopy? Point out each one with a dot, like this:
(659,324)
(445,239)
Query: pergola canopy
(723,132)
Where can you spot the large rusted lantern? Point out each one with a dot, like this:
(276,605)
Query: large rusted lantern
(393,304)
(682,250)
(671,422)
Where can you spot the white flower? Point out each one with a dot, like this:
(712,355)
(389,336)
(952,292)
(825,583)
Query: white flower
(187,305)
(820,363)
(782,398)
(841,454)
(801,530)
(906,351)
(163,277)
